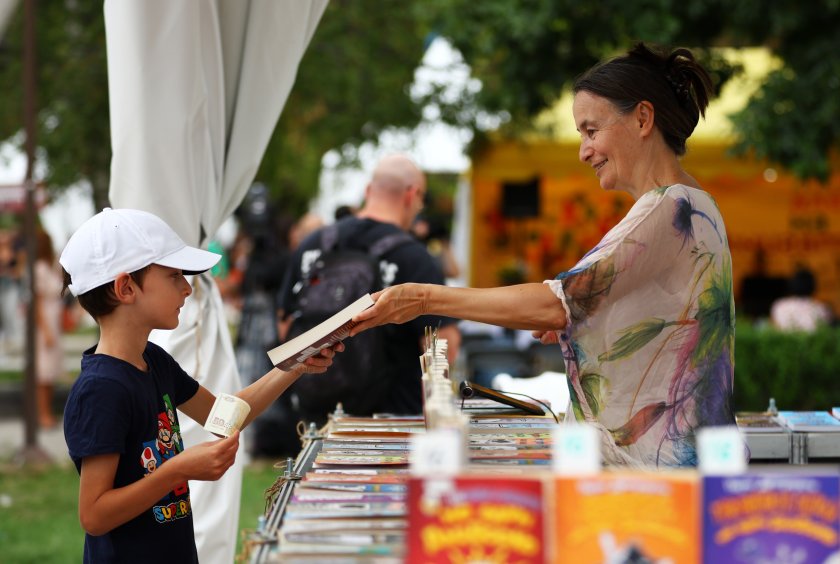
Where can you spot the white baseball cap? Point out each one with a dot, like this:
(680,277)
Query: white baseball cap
(124,240)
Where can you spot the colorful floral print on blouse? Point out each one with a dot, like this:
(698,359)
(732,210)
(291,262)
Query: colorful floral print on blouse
(650,339)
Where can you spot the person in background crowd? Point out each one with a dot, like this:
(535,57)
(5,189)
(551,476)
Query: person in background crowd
(49,354)
(343,211)
(11,315)
(759,290)
(800,311)
(265,267)
(393,198)
(646,319)
(436,239)
(303,227)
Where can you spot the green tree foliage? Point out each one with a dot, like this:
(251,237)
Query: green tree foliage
(73,124)
(354,79)
(793,120)
(798,369)
(352,84)
(524,52)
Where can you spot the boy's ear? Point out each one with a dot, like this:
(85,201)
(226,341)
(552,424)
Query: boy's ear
(124,288)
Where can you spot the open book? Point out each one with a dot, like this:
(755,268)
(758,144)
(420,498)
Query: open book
(326,334)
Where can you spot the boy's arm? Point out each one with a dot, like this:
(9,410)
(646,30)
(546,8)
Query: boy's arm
(259,395)
(103,507)
(264,391)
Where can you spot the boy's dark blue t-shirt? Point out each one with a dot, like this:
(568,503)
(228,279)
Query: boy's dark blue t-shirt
(116,408)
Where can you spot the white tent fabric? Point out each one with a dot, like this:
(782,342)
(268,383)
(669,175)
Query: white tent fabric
(7,10)
(196,88)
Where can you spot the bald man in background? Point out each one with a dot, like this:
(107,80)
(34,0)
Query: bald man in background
(393,198)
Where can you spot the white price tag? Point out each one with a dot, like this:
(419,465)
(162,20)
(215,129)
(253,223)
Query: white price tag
(720,451)
(575,450)
(438,452)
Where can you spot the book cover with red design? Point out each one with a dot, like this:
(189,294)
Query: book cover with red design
(476,519)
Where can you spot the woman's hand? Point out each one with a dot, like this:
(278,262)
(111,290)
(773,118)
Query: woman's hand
(397,304)
(546,337)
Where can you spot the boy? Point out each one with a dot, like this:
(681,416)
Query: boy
(127,268)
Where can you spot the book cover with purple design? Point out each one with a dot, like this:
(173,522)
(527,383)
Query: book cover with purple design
(771,518)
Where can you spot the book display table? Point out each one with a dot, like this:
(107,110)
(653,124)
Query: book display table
(350,445)
(813,447)
(352,483)
(267,540)
(793,447)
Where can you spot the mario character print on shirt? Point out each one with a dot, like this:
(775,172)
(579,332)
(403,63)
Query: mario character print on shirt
(166,444)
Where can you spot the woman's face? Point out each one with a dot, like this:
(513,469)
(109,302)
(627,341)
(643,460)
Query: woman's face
(608,140)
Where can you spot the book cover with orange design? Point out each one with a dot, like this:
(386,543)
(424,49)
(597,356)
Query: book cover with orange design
(627,517)
(476,519)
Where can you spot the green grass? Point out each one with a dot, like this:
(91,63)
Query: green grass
(38,512)
(38,521)
(11,375)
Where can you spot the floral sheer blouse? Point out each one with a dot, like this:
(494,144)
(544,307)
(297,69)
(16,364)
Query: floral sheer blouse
(650,339)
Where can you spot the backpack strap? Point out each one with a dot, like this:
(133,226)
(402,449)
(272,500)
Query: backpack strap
(330,241)
(388,243)
(329,237)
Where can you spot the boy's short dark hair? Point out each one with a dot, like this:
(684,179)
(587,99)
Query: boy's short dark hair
(101,300)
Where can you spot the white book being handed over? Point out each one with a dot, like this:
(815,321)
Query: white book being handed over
(227,415)
(324,335)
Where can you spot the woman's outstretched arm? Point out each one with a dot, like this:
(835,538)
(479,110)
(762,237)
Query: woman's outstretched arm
(523,306)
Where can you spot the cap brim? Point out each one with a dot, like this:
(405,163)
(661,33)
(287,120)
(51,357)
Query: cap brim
(190,260)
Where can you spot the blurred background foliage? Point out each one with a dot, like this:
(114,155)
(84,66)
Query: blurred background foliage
(355,79)
(74,135)
(798,369)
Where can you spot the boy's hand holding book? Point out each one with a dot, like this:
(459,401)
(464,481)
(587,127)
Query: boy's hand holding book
(316,341)
(319,363)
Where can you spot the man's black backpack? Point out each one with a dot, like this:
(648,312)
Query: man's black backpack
(357,377)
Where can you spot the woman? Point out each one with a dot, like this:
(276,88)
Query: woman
(800,311)
(49,354)
(646,318)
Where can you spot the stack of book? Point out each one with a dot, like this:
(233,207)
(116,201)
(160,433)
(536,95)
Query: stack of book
(511,439)
(809,421)
(758,422)
(797,421)
(353,501)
